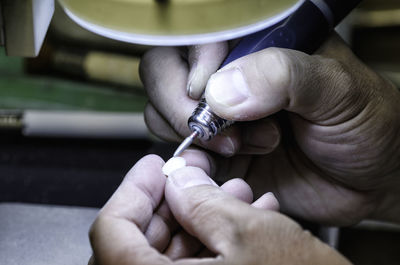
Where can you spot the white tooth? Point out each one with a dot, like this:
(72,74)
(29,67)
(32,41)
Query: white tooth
(173,164)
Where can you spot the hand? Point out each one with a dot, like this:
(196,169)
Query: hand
(338,161)
(134,227)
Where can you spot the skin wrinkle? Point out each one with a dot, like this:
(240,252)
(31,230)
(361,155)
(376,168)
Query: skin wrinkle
(355,124)
(294,70)
(352,146)
(395,156)
(359,141)
(169,219)
(328,214)
(158,233)
(298,172)
(337,76)
(177,249)
(369,205)
(196,242)
(309,165)
(200,211)
(137,255)
(145,209)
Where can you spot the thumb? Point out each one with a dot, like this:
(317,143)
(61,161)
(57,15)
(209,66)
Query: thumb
(273,79)
(204,210)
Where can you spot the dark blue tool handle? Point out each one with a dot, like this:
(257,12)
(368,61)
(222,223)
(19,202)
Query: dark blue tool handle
(304,30)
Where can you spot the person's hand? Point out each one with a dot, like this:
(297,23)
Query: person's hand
(137,227)
(324,135)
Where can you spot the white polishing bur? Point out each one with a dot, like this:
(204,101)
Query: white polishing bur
(173,164)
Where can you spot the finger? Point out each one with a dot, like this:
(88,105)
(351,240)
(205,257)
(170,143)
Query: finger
(205,211)
(201,159)
(91,261)
(239,189)
(260,137)
(265,82)
(184,245)
(164,74)
(204,60)
(140,192)
(161,228)
(158,125)
(117,234)
(267,202)
(163,225)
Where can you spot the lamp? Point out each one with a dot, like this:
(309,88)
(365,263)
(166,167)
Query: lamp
(177,22)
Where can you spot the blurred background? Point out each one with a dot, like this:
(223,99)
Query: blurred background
(71,119)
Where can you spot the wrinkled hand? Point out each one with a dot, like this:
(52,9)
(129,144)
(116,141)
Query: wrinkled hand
(137,227)
(320,131)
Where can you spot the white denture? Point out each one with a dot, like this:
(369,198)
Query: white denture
(173,164)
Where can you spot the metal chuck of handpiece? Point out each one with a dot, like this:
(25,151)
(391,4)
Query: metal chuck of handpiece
(204,124)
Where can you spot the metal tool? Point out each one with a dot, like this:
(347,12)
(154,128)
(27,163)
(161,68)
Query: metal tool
(304,30)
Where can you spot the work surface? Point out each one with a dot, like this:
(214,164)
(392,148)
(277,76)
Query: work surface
(42,234)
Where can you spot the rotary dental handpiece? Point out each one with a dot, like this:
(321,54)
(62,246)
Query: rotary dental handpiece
(304,30)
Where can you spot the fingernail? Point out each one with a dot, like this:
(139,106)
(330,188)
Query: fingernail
(228,148)
(194,84)
(228,87)
(271,194)
(173,164)
(186,181)
(263,140)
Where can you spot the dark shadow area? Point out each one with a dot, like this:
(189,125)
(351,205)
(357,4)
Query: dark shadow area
(68,171)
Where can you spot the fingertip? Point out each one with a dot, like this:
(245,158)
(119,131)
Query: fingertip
(188,177)
(145,176)
(173,164)
(147,163)
(198,158)
(238,188)
(268,201)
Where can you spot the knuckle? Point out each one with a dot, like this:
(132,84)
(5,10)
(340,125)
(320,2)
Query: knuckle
(150,116)
(204,207)
(150,60)
(346,81)
(282,66)
(146,60)
(94,228)
(248,231)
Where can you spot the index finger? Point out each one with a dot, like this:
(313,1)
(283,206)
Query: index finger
(164,74)
(117,234)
